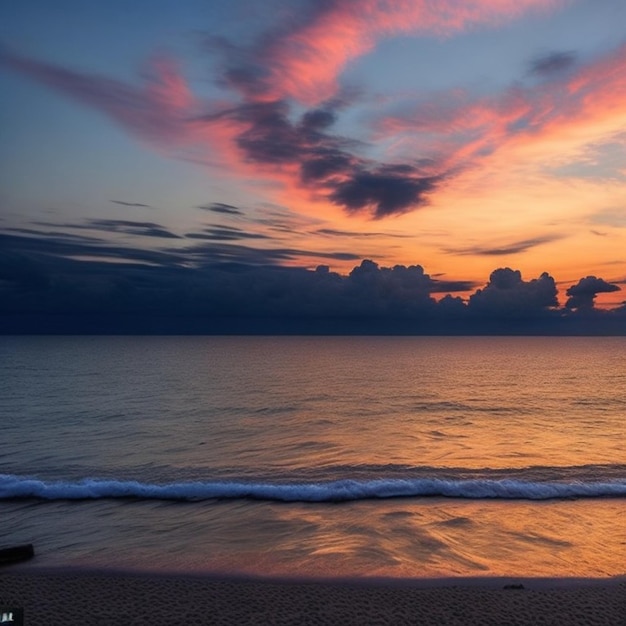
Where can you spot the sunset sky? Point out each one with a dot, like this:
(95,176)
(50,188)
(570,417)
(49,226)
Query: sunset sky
(458,135)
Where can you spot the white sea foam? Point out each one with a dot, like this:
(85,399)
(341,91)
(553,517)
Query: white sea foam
(333,491)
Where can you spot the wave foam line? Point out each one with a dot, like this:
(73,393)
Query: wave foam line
(12,487)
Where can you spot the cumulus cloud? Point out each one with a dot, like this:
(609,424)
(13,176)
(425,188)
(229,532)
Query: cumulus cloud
(507,293)
(69,284)
(397,291)
(583,293)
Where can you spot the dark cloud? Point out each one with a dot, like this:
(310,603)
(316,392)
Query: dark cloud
(583,293)
(511,248)
(219,207)
(225,233)
(383,192)
(334,232)
(54,234)
(318,119)
(323,164)
(55,251)
(55,283)
(131,204)
(452,308)
(452,286)
(270,137)
(251,69)
(19,274)
(238,67)
(63,246)
(269,133)
(221,251)
(507,294)
(553,63)
(327,163)
(129,227)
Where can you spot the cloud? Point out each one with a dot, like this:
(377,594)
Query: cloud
(57,284)
(55,234)
(129,227)
(459,130)
(303,56)
(553,63)
(156,111)
(269,137)
(298,61)
(220,207)
(19,274)
(265,135)
(51,249)
(583,293)
(335,232)
(324,163)
(511,248)
(507,294)
(259,134)
(220,250)
(225,233)
(385,191)
(283,220)
(131,204)
(452,286)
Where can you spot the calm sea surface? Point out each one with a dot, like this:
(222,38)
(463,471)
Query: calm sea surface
(317,456)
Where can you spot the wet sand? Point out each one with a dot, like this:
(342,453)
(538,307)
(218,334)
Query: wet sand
(68,597)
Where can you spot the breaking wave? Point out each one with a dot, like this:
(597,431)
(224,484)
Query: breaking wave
(20,487)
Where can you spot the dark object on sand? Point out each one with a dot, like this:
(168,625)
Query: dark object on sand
(16,554)
(513,586)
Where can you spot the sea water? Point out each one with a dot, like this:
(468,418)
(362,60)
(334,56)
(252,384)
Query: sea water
(317,456)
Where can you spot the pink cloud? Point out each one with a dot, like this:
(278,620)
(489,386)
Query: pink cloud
(259,139)
(155,111)
(305,62)
(459,129)
(161,110)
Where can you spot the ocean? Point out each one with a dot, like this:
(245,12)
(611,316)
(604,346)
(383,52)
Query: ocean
(317,456)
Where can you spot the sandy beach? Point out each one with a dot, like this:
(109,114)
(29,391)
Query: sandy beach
(68,597)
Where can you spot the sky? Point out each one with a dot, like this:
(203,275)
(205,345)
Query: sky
(379,165)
